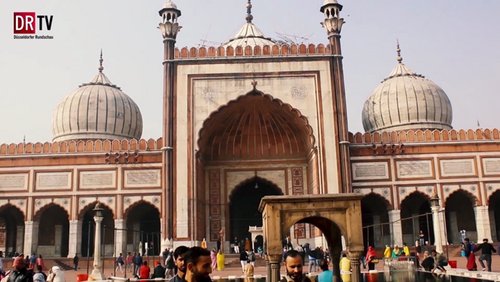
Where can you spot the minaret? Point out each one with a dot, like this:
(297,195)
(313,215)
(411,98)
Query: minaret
(333,25)
(169,29)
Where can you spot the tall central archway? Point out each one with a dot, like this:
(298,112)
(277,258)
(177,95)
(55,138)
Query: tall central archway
(254,132)
(244,205)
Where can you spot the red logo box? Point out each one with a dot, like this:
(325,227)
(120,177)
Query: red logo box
(24,22)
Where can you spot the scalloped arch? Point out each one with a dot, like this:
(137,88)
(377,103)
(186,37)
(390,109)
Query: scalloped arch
(42,209)
(11,206)
(91,205)
(138,203)
(254,179)
(255,126)
(415,193)
(378,196)
(467,194)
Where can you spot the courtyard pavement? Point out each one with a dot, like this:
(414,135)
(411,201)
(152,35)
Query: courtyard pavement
(233,270)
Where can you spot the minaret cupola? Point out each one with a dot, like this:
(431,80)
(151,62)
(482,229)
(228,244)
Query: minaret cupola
(169,26)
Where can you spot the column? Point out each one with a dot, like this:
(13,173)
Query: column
(120,237)
(97,271)
(395,225)
(30,237)
(355,267)
(453,234)
(493,227)
(442,222)
(273,268)
(482,223)
(75,237)
(57,240)
(437,228)
(377,231)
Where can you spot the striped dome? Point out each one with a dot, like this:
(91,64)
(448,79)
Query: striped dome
(406,100)
(97,110)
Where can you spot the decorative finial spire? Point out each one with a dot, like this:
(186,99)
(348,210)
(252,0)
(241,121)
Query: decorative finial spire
(399,58)
(249,17)
(101,68)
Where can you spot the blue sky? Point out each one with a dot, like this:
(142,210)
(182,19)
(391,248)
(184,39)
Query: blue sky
(456,44)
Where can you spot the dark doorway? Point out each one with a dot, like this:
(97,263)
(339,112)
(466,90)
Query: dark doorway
(494,210)
(143,226)
(10,218)
(54,231)
(376,229)
(460,215)
(244,205)
(88,229)
(415,216)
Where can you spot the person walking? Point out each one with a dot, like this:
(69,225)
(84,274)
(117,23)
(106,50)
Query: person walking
(76,259)
(119,263)
(486,251)
(243,260)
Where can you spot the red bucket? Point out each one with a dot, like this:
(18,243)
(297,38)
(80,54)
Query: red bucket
(82,277)
(452,263)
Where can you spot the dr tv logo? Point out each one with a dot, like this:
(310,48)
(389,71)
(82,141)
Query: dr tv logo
(31,23)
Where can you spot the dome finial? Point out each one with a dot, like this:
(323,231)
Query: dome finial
(101,68)
(249,17)
(399,58)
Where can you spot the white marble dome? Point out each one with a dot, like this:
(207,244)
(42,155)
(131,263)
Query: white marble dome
(406,100)
(97,110)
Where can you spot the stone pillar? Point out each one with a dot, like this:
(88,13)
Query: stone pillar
(442,222)
(482,223)
(120,237)
(30,237)
(395,226)
(437,228)
(355,266)
(493,227)
(453,234)
(20,235)
(377,231)
(75,237)
(273,268)
(97,271)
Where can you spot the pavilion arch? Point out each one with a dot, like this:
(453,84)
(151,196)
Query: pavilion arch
(375,215)
(335,215)
(494,211)
(53,230)
(460,215)
(11,229)
(86,216)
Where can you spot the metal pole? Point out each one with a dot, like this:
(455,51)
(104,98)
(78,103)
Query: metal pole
(88,248)
(103,246)
(428,228)
(115,263)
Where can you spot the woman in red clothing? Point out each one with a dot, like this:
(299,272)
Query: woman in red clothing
(144,271)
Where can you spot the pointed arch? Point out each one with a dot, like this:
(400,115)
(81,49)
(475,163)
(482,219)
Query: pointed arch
(244,203)
(460,215)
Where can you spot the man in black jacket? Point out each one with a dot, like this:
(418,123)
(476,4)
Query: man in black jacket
(486,250)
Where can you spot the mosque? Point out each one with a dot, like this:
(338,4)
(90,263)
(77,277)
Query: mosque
(250,118)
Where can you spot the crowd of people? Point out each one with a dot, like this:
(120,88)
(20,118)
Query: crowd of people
(29,269)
